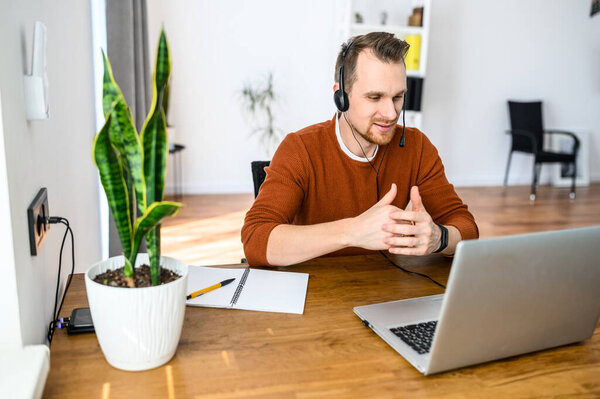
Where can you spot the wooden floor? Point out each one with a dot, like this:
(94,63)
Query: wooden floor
(207,230)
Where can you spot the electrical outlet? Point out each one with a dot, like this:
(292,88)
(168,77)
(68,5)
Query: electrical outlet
(37,216)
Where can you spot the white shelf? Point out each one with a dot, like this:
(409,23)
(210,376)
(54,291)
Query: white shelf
(398,12)
(415,74)
(398,30)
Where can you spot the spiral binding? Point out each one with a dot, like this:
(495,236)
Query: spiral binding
(240,287)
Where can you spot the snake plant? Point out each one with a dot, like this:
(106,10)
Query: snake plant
(133,166)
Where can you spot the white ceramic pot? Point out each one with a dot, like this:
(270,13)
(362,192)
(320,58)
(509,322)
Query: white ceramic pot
(137,328)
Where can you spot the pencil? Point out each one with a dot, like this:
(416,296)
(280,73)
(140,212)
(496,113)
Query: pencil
(208,289)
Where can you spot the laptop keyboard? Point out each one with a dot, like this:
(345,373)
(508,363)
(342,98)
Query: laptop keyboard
(417,336)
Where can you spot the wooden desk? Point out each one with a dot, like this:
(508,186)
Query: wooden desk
(326,352)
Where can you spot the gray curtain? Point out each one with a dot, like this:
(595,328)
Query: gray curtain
(127,49)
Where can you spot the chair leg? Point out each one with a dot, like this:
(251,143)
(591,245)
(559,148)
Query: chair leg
(537,167)
(507,168)
(572,193)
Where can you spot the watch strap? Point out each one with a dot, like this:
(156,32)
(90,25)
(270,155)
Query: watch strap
(444,239)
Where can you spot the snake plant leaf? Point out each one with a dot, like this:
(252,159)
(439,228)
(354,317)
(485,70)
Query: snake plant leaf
(162,70)
(128,268)
(154,132)
(125,139)
(153,246)
(111,175)
(155,142)
(110,90)
(149,220)
(156,151)
(129,183)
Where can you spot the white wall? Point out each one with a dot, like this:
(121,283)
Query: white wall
(9,337)
(485,52)
(219,46)
(481,53)
(53,153)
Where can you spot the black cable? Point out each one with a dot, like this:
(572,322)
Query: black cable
(55,313)
(367,158)
(377,180)
(51,326)
(66,223)
(358,142)
(410,271)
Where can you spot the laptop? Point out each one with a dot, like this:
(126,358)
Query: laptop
(505,296)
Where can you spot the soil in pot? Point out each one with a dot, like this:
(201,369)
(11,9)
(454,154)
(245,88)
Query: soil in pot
(115,278)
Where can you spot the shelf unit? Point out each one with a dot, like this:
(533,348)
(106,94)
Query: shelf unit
(398,12)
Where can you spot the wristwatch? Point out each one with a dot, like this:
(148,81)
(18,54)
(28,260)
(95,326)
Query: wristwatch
(444,240)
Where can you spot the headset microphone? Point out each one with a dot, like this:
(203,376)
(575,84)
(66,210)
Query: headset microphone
(403,121)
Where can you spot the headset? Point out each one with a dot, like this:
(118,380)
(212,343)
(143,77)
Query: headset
(340,97)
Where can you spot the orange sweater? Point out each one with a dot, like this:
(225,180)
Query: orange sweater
(312,180)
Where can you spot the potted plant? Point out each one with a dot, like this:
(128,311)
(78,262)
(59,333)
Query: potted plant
(258,101)
(137,327)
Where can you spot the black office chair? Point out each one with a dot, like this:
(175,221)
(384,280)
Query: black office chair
(527,132)
(258,177)
(258,174)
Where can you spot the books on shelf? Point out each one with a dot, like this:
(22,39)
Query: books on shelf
(413,95)
(413,56)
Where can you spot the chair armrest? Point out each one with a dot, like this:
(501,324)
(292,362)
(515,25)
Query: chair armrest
(565,133)
(524,133)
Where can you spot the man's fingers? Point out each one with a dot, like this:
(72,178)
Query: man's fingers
(409,216)
(408,251)
(402,241)
(401,229)
(388,198)
(415,199)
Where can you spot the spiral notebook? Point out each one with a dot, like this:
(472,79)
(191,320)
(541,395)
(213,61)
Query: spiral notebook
(253,289)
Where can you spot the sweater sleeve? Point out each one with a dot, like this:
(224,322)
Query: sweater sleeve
(279,198)
(439,197)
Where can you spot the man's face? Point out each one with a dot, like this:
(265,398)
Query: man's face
(376,98)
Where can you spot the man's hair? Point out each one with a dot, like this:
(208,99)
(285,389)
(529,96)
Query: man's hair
(385,46)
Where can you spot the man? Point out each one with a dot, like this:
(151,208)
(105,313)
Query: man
(321,194)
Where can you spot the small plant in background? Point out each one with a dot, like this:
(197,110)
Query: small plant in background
(133,167)
(258,101)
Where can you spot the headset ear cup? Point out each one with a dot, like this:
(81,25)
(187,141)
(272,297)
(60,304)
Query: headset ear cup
(337,100)
(340,97)
(346,101)
(341,100)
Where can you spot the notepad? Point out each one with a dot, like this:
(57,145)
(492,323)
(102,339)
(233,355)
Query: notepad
(253,289)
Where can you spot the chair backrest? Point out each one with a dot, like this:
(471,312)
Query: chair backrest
(258,174)
(526,116)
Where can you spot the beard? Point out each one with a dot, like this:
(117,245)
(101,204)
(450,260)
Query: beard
(378,138)
(372,135)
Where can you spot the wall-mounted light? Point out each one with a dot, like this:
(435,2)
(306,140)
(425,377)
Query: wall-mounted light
(36,84)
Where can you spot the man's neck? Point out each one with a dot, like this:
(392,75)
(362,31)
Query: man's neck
(352,139)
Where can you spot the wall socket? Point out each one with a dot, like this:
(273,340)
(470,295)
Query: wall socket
(37,217)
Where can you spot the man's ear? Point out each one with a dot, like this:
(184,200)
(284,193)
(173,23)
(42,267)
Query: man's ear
(336,86)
